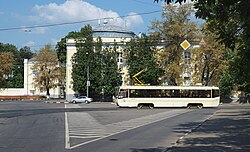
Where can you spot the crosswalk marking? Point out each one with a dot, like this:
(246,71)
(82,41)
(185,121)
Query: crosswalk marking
(83,126)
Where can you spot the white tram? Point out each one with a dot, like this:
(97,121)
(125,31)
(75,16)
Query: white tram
(168,96)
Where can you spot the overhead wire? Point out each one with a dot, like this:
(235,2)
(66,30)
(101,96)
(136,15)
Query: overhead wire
(75,22)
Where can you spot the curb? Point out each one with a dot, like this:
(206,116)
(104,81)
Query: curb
(56,102)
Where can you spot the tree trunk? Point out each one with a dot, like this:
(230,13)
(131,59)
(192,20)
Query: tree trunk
(47,93)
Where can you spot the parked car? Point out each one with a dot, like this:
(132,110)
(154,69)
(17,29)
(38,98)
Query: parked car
(81,99)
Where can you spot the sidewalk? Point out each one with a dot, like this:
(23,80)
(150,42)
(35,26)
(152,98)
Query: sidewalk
(227,131)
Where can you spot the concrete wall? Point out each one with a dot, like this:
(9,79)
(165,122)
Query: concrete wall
(12,91)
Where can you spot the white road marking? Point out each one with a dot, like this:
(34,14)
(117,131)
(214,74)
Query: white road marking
(85,137)
(82,125)
(67,142)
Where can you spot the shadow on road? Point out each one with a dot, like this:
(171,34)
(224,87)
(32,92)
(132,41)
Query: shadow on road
(228,130)
(160,149)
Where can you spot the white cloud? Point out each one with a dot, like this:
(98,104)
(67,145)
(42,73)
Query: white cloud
(30,44)
(79,10)
(133,20)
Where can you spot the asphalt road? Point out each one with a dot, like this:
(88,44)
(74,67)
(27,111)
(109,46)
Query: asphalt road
(47,127)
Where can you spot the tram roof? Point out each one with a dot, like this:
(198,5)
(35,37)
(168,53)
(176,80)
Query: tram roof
(170,87)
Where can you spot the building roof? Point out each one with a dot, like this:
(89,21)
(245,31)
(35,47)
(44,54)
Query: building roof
(111,31)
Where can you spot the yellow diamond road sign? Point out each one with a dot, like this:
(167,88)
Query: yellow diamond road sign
(185,44)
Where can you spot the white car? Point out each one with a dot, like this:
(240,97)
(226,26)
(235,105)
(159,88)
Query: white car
(82,99)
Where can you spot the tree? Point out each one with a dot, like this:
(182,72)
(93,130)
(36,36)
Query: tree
(110,75)
(226,84)
(4,48)
(61,47)
(140,55)
(208,60)
(95,63)
(6,62)
(239,67)
(105,73)
(174,28)
(82,62)
(47,70)
(231,23)
(17,79)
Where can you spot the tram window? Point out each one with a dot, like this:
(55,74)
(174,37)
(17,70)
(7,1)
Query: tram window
(152,93)
(208,93)
(167,93)
(194,94)
(147,93)
(200,94)
(155,93)
(185,93)
(123,93)
(132,93)
(216,93)
(176,93)
(138,93)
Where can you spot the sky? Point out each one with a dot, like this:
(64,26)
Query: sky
(47,18)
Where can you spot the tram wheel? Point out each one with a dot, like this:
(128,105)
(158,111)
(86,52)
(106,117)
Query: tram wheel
(140,106)
(200,106)
(151,106)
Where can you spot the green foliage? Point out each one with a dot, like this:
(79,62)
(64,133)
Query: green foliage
(47,69)
(230,20)
(15,77)
(6,62)
(18,70)
(141,56)
(111,78)
(104,76)
(232,24)
(226,84)
(61,47)
(82,60)
(15,81)
(240,69)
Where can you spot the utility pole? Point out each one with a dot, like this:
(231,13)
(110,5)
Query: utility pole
(88,82)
